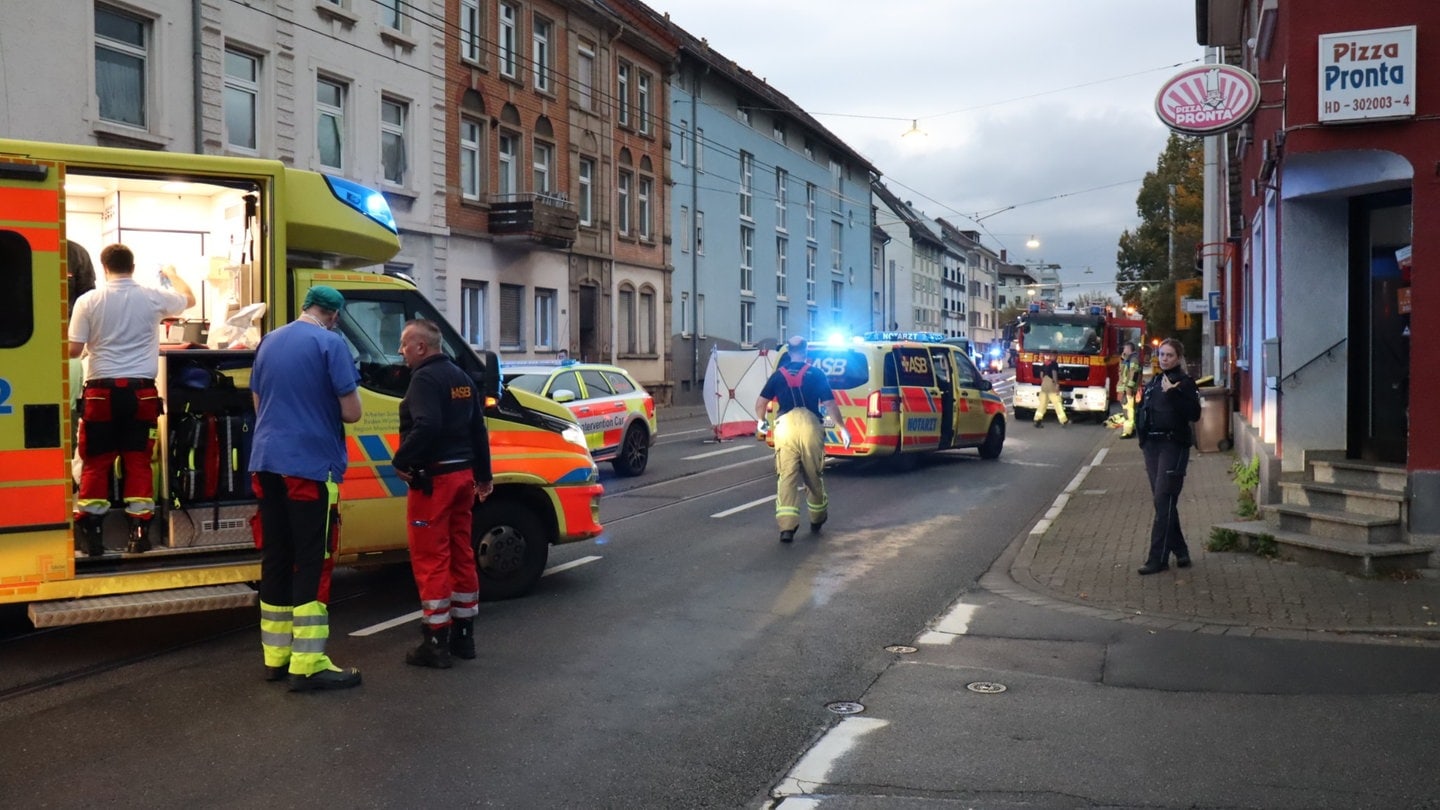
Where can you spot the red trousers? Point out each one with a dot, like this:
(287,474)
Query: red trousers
(118,420)
(438,529)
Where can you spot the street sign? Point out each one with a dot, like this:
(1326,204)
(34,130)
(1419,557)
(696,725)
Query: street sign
(1215,305)
(1196,306)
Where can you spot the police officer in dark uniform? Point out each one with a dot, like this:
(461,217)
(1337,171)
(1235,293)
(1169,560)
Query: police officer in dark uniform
(444,455)
(1169,405)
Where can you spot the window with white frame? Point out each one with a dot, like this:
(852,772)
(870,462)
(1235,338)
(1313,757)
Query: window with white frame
(625,320)
(837,176)
(392,14)
(585,75)
(646,321)
(544,318)
(810,273)
(699,232)
(684,142)
(837,235)
(809,210)
(507,40)
(782,265)
(508,149)
(812,321)
(778,129)
(684,229)
(700,315)
(809,148)
(685,314)
(541,155)
(470,30)
(393,115)
(642,101)
(472,312)
(699,149)
(642,206)
(540,52)
(622,93)
(837,297)
(742,111)
(330,122)
(122,66)
(747,323)
(782,198)
(782,321)
(242,92)
(585,200)
(622,202)
(470,158)
(747,259)
(747,171)
(512,311)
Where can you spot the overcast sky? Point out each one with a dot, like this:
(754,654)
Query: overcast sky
(1020,101)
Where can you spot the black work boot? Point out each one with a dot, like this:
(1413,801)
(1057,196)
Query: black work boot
(90,534)
(462,638)
(138,534)
(434,651)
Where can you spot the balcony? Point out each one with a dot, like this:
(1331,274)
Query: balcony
(546,218)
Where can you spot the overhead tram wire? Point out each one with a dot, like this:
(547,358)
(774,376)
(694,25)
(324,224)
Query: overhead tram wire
(491,48)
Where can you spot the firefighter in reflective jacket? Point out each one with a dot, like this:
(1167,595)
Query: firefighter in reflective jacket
(1129,385)
(803,400)
(444,455)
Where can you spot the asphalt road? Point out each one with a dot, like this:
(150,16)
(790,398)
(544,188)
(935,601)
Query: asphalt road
(684,659)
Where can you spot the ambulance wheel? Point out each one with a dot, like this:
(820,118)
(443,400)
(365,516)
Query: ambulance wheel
(994,440)
(511,548)
(634,452)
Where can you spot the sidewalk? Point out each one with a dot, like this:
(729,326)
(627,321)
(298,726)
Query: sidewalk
(1087,553)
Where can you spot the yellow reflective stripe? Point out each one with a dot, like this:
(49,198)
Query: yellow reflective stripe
(332,497)
(787,510)
(816,507)
(94,506)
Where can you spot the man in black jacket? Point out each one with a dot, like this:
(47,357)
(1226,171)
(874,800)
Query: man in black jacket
(1169,405)
(444,455)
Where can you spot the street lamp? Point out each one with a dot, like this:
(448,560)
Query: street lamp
(1032,242)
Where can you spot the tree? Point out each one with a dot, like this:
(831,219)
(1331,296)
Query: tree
(1161,249)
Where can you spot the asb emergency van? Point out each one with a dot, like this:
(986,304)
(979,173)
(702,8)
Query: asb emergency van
(250,237)
(900,393)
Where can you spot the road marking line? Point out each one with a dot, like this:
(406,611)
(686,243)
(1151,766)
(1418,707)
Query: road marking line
(411,617)
(810,773)
(734,449)
(742,507)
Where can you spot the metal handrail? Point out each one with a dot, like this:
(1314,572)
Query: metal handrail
(1328,352)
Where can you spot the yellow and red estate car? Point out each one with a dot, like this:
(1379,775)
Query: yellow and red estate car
(616,413)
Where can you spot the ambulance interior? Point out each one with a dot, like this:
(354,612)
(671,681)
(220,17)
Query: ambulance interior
(207,232)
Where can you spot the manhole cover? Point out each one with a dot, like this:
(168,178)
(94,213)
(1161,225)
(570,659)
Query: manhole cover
(986,687)
(845,707)
(903,649)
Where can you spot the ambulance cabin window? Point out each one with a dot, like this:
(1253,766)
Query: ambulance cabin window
(17,305)
(966,374)
(844,368)
(371,324)
(909,365)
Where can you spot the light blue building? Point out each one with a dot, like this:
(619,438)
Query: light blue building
(771,218)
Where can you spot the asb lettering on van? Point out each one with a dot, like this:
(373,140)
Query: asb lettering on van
(908,392)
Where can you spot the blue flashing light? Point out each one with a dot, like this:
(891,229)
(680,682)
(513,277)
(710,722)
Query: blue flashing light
(1095,309)
(836,338)
(994,351)
(367,201)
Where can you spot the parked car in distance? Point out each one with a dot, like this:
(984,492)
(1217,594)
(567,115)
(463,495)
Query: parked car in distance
(615,412)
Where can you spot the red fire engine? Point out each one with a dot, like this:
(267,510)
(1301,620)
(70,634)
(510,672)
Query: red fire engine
(1086,344)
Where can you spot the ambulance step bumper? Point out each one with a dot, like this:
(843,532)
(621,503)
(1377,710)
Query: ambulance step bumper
(136,605)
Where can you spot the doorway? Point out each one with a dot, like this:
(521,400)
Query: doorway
(1379,385)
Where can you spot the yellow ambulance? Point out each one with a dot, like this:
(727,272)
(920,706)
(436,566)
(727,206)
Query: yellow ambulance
(250,237)
(901,393)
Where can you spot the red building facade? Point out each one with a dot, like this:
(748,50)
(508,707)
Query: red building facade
(1326,228)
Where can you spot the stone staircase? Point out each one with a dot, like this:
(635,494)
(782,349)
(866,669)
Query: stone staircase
(1346,515)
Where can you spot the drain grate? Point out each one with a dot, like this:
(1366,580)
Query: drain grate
(986,687)
(845,707)
(902,649)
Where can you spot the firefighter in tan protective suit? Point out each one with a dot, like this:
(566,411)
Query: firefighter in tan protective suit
(803,399)
(1050,393)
